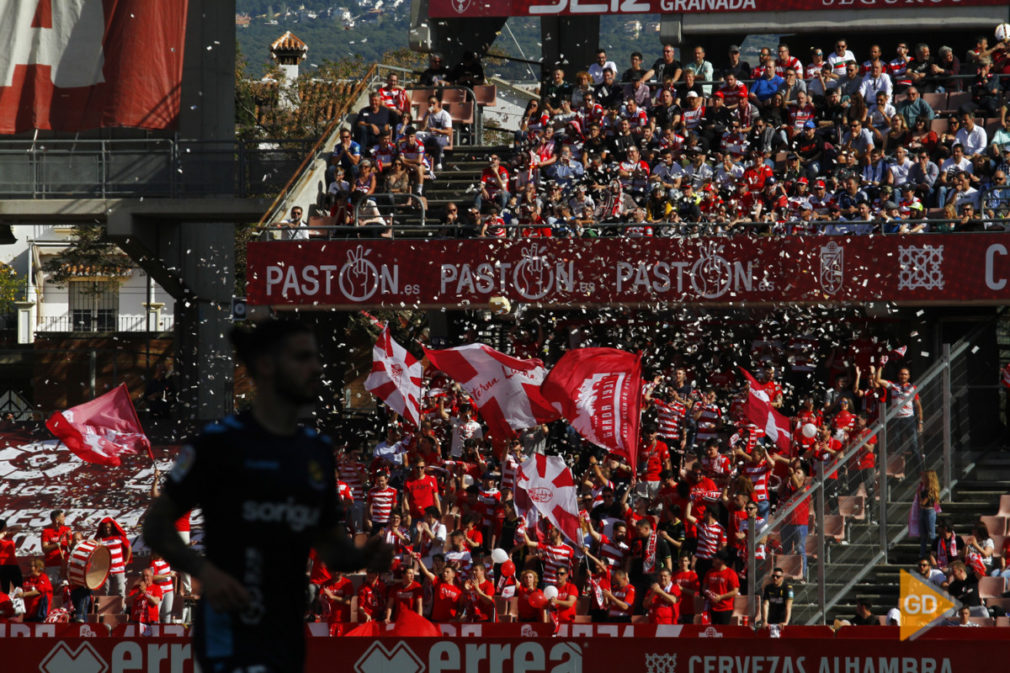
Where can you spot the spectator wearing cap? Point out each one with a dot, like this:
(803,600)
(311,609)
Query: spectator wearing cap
(766,86)
(909,204)
(701,69)
(892,221)
(735,66)
(810,147)
(601,64)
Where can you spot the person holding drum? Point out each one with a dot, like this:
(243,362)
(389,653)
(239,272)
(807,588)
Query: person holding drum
(268,492)
(112,535)
(56,541)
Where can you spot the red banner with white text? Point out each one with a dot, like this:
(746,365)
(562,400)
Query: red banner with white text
(712,651)
(72,65)
(473,8)
(910,269)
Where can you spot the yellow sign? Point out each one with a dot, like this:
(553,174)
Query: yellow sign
(922,605)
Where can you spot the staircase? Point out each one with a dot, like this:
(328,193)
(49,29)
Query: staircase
(987,476)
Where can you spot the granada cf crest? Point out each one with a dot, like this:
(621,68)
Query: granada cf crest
(832,267)
(460,5)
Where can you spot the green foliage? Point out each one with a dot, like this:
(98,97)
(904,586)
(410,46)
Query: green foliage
(12,288)
(89,254)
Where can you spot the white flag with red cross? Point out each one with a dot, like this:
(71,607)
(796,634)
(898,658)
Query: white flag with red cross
(396,378)
(548,483)
(505,389)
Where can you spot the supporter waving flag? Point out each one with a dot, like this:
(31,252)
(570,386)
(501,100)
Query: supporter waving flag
(550,488)
(505,389)
(760,412)
(102,430)
(599,391)
(396,378)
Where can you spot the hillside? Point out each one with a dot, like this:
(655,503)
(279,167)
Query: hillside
(367,29)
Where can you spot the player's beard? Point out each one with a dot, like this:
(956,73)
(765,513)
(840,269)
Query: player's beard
(300,393)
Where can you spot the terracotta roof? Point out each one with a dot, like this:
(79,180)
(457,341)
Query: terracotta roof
(288,42)
(319,103)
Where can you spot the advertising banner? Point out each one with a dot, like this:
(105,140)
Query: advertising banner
(712,653)
(473,8)
(909,269)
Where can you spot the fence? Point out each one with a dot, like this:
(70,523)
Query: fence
(116,323)
(846,491)
(151,167)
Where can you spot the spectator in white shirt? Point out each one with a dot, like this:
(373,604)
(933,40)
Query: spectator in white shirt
(702,69)
(601,64)
(840,57)
(876,82)
(295,229)
(971,137)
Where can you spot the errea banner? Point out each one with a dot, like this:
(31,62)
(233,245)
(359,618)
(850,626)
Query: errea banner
(72,65)
(909,269)
(471,8)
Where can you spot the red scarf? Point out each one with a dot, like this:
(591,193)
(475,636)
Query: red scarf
(649,559)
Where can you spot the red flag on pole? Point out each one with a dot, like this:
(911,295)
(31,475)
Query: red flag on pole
(599,391)
(505,389)
(102,430)
(760,412)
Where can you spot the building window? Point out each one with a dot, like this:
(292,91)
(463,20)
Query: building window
(94,305)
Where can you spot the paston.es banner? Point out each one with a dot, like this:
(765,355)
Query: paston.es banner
(912,269)
(72,65)
(473,8)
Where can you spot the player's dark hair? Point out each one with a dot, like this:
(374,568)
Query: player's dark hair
(264,338)
(3,524)
(55,513)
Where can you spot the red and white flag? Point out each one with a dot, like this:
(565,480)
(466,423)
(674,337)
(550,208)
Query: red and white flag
(549,484)
(897,353)
(760,412)
(505,389)
(396,378)
(102,430)
(73,65)
(599,391)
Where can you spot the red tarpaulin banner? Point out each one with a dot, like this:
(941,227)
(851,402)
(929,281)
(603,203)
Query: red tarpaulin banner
(72,65)
(715,651)
(470,8)
(915,269)
(102,430)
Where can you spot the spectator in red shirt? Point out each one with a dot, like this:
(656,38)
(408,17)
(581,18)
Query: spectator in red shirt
(38,592)
(421,491)
(56,541)
(663,600)
(720,586)
(528,585)
(372,596)
(620,598)
(407,595)
(479,595)
(447,598)
(10,571)
(144,599)
(336,599)
(687,580)
(564,605)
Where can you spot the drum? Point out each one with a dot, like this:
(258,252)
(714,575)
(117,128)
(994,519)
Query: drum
(89,564)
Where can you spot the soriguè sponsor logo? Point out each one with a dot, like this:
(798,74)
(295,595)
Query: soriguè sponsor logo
(298,517)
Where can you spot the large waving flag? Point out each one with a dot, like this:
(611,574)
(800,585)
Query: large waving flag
(548,484)
(760,412)
(599,391)
(505,389)
(102,430)
(396,378)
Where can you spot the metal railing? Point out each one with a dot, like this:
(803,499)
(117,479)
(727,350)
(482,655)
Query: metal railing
(150,168)
(119,323)
(884,493)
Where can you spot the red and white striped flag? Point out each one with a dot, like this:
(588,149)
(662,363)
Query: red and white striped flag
(760,412)
(102,430)
(548,483)
(505,389)
(396,378)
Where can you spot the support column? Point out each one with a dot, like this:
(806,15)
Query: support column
(26,321)
(153,320)
(569,42)
(203,321)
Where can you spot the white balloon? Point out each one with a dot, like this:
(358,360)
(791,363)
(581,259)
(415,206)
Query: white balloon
(809,430)
(499,555)
(467,481)
(551,592)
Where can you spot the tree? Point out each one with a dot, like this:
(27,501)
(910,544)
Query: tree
(12,288)
(89,254)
